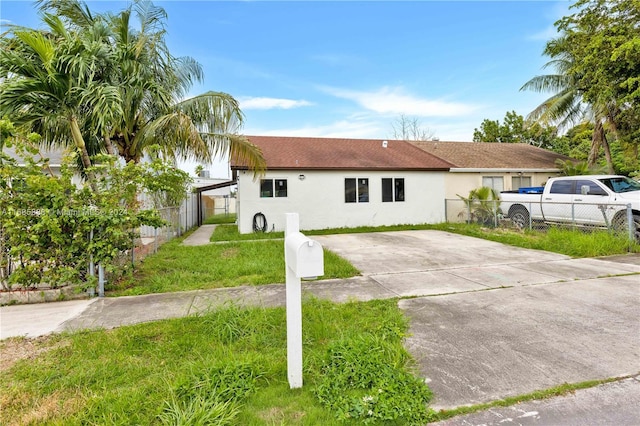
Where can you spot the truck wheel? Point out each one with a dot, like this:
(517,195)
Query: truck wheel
(620,225)
(520,217)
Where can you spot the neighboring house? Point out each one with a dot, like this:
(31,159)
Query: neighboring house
(334,183)
(55,157)
(501,166)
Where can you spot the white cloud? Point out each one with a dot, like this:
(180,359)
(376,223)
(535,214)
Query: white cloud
(270,103)
(348,128)
(394,100)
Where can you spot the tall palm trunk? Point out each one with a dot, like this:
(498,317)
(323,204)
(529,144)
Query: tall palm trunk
(109,145)
(599,139)
(79,142)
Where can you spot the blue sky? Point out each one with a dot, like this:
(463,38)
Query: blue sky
(351,68)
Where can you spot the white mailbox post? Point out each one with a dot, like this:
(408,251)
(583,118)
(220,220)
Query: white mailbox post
(303,258)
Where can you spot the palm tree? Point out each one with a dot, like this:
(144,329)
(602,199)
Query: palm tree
(566,106)
(483,206)
(156,116)
(50,81)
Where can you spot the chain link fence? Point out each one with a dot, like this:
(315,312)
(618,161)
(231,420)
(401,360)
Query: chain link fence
(618,218)
(147,241)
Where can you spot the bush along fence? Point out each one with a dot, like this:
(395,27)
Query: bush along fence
(57,233)
(617,218)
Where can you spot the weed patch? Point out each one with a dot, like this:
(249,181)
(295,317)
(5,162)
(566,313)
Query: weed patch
(366,379)
(224,367)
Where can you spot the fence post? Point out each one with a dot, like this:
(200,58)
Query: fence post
(630,223)
(92,266)
(446,214)
(100,280)
(530,214)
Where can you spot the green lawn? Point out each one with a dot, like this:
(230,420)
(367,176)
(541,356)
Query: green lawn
(258,258)
(228,366)
(181,268)
(571,242)
(220,218)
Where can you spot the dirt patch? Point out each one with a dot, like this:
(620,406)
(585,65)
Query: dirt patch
(39,410)
(230,253)
(15,349)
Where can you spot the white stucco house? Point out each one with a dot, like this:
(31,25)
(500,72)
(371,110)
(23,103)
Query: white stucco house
(335,183)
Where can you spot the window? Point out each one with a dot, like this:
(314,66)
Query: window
(392,189)
(592,188)
(518,182)
(273,188)
(356,190)
(562,187)
(495,182)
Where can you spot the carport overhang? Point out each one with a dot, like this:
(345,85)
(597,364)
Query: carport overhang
(202,189)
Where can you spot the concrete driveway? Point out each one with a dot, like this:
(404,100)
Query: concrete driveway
(500,321)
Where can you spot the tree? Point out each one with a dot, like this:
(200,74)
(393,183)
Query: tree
(153,84)
(515,129)
(50,80)
(483,206)
(115,88)
(410,129)
(597,61)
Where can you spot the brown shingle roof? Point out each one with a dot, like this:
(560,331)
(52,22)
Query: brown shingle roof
(489,155)
(284,152)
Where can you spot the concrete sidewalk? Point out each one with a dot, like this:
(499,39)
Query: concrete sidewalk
(200,236)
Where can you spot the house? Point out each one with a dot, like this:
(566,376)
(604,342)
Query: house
(54,156)
(336,182)
(501,166)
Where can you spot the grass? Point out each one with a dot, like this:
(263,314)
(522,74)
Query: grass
(571,242)
(258,258)
(561,390)
(227,367)
(182,268)
(220,219)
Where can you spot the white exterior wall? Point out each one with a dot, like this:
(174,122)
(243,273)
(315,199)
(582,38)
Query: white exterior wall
(319,199)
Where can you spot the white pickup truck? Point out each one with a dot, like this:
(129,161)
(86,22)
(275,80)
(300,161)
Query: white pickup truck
(599,201)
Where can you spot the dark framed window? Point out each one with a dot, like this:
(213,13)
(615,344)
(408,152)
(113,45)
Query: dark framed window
(392,190)
(356,190)
(280,187)
(273,188)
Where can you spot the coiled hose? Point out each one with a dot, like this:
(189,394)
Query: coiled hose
(259,222)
